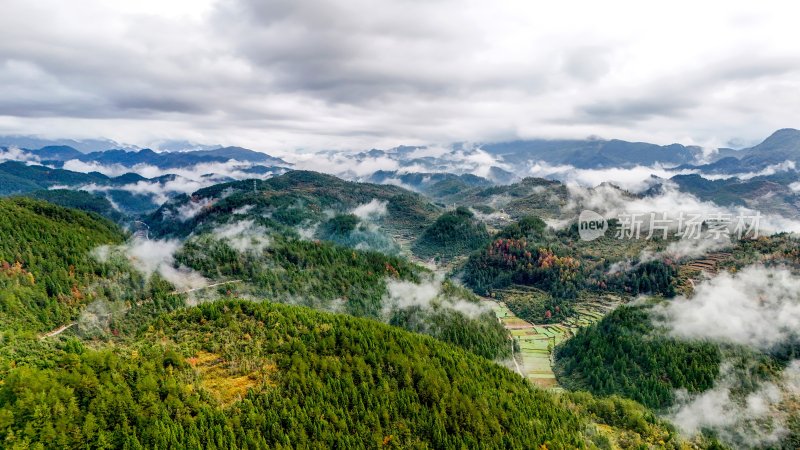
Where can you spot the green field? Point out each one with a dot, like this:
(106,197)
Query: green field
(536,342)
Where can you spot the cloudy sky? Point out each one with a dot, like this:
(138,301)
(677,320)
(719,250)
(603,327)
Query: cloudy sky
(280,75)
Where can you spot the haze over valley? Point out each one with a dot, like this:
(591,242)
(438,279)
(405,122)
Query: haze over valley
(398,224)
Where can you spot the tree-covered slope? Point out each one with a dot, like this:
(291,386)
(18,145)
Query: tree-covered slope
(454,233)
(622,354)
(82,200)
(555,269)
(246,375)
(529,196)
(313,273)
(44,177)
(296,199)
(45,260)
(335,278)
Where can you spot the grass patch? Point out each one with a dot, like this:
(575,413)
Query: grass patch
(226,384)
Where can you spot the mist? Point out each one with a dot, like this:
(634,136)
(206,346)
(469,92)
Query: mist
(372,210)
(243,236)
(427,295)
(612,202)
(751,421)
(758,308)
(149,257)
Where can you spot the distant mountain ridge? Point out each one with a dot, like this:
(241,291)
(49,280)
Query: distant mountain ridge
(82,145)
(501,162)
(593,154)
(162,160)
(131,192)
(58,154)
(780,147)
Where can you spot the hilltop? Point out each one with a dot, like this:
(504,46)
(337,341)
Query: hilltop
(299,199)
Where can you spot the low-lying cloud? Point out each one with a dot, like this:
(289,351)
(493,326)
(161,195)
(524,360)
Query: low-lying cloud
(758,307)
(244,236)
(611,202)
(15,154)
(163,184)
(372,210)
(634,179)
(193,207)
(426,295)
(149,257)
(457,159)
(750,421)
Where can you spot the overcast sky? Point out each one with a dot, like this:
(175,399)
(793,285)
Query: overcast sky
(279,75)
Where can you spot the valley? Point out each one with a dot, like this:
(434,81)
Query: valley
(534,358)
(300,307)
(393,224)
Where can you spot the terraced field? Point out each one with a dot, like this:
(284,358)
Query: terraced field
(536,342)
(694,271)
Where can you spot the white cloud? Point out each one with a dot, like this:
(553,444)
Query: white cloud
(181,180)
(159,191)
(426,295)
(749,422)
(244,236)
(155,256)
(16,154)
(634,179)
(276,75)
(243,210)
(193,207)
(771,169)
(693,248)
(757,307)
(341,164)
(370,211)
(612,203)
(197,172)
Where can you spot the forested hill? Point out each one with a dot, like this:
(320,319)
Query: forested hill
(294,199)
(232,373)
(599,359)
(326,276)
(235,374)
(454,233)
(45,260)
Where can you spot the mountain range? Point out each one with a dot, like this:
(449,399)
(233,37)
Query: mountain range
(595,153)
(763,176)
(777,149)
(293,309)
(57,155)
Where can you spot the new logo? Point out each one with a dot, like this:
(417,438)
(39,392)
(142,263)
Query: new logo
(591,225)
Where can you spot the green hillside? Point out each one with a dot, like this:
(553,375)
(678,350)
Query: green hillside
(529,196)
(17,177)
(556,270)
(622,355)
(259,374)
(82,200)
(334,278)
(45,261)
(292,201)
(239,374)
(453,234)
